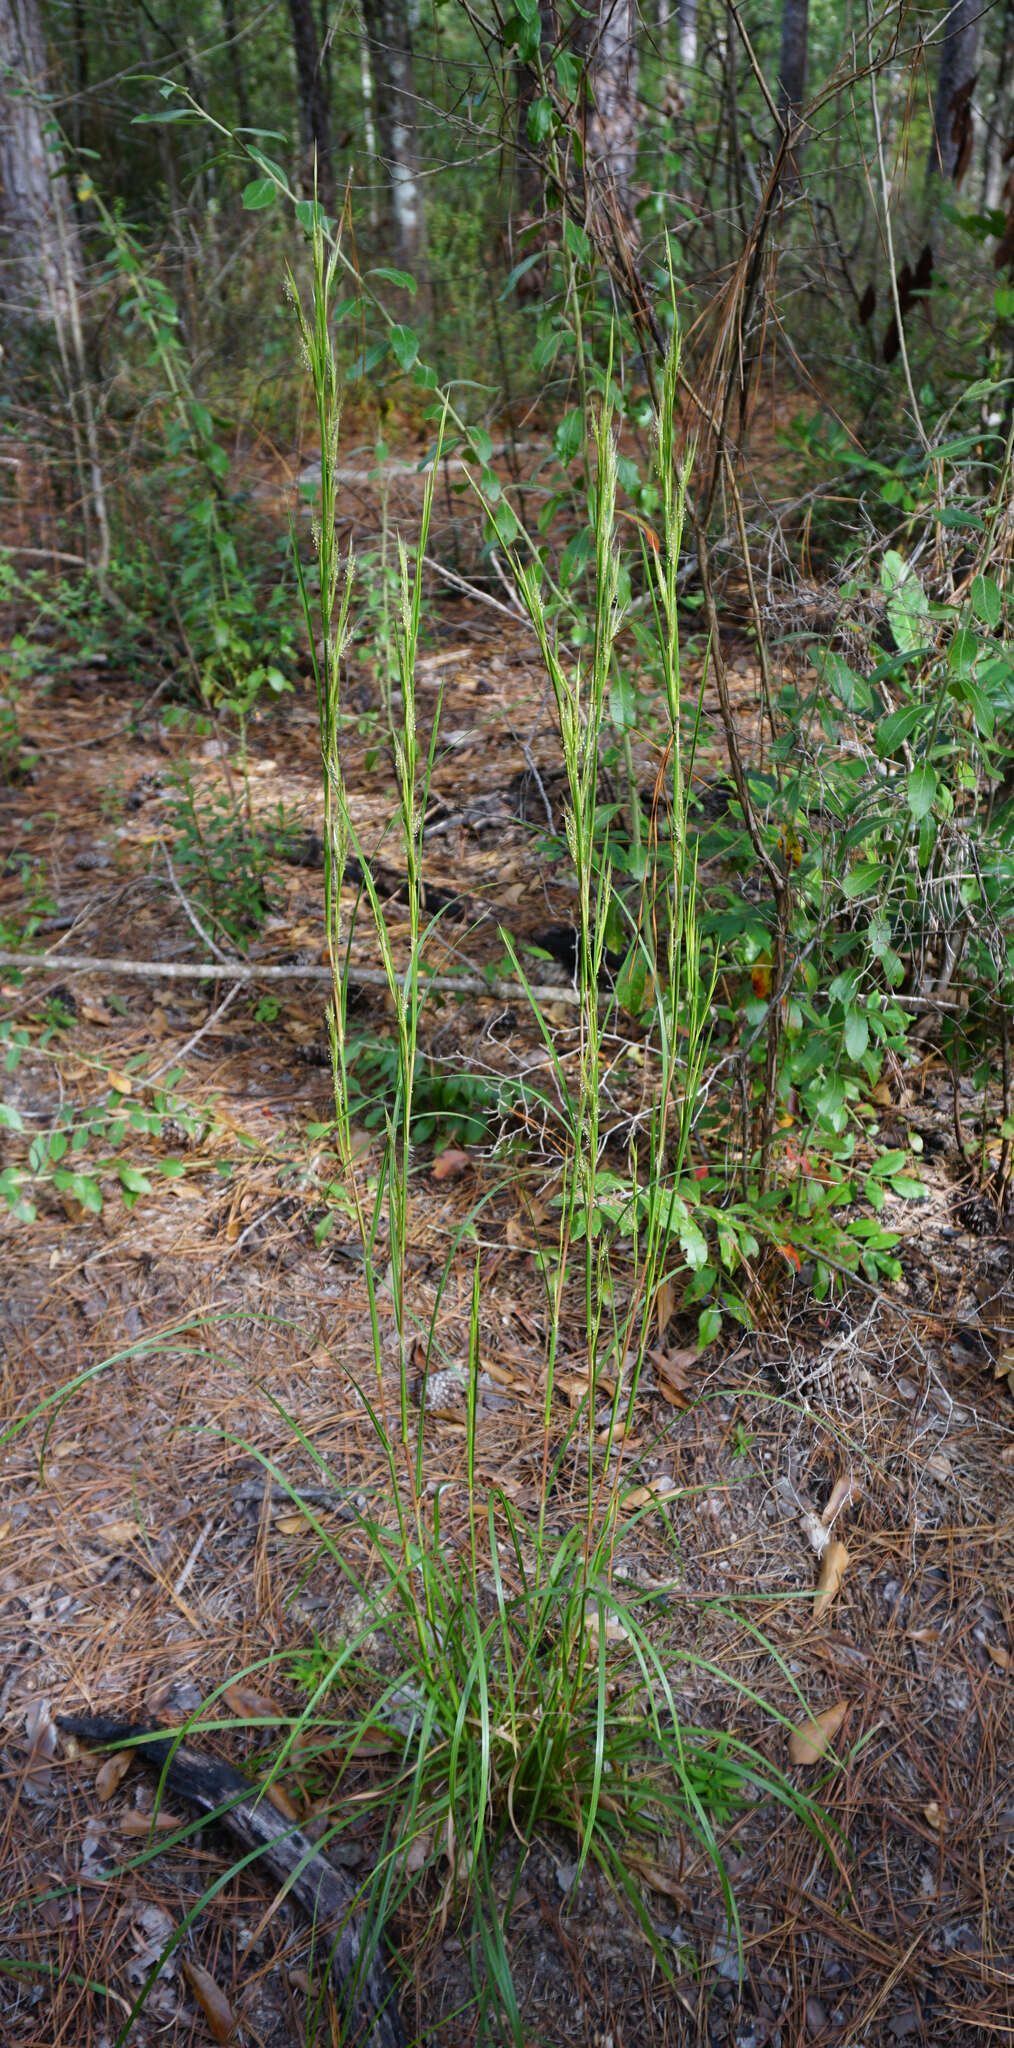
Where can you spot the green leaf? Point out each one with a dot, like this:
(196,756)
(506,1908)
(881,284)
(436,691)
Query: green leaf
(857,1034)
(569,435)
(482,446)
(400,278)
(863,878)
(896,727)
(404,346)
(10,1118)
(259,193)
(576,241)
(922,788)
(709,1326)
(134,1180)
(541,120)
(367,361)
(987,603)
(623,704)
(631,981)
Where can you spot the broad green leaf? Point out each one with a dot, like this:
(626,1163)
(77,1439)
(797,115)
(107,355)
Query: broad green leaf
(404,346)
(709,1326)
(863,878)
(400,278)
(576,241)
(569,434)
(922,789)
(857,1034)
(896,727)
(541,120)
(10,1118)
(987,604)
(259,193)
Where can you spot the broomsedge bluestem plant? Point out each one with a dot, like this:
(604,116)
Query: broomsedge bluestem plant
(530,1690)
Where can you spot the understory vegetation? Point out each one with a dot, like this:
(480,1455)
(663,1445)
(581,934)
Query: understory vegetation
(748,516)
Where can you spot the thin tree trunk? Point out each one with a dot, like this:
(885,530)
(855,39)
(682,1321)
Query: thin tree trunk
(950,147)
(233,34)
(686,30)
(610,142)
(389,29)
(39,248)
(792,71)
(994,173)
(314,125)
(38,231)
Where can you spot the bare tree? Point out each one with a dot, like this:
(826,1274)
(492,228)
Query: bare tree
(392,63)
(314,123)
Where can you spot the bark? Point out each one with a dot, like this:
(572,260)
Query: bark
(328,1899)
(40,259)
(994,173)
(686,31)
(951,146)
(792,73)
(392,64)
(314,123)
(610,141)
(233,34)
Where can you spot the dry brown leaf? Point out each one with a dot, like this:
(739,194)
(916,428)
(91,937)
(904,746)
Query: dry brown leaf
(451,1164)
(659,1880)
(110,1775)
(280,1800)
(134,1822)
(518,1235)
(833,1566)
(665,1303)
(809,1742)
(123,1084)
(999,1655)
(115,1533)
(938,1466)
(292,1525)
(213,2002)
(674,1372)
(249,1705)
(843,1493)
(933,1813)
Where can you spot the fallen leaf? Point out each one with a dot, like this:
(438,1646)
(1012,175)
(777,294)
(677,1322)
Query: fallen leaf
(110,1775)
(122,1084)
(665,1303)
(292,1525)
(115,1533)
(833,1565)
(280,1800)
(134,1822)
(999,1655)
(213,2002)
(843,1493)
(451,1164)
(933,1814)
(809,1742)
(938,1466)
(674,1374)
(248,1705)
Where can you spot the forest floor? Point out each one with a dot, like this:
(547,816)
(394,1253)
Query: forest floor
(145,1562)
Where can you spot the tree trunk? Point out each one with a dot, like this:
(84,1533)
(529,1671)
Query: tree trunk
(314,126)
(994,172)
(951,146)
(792,72)
(610,142)
(389,33)
(232,35)
(41,264)
(686,35)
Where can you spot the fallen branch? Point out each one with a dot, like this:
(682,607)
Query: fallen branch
(256,970)
(327,1897)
